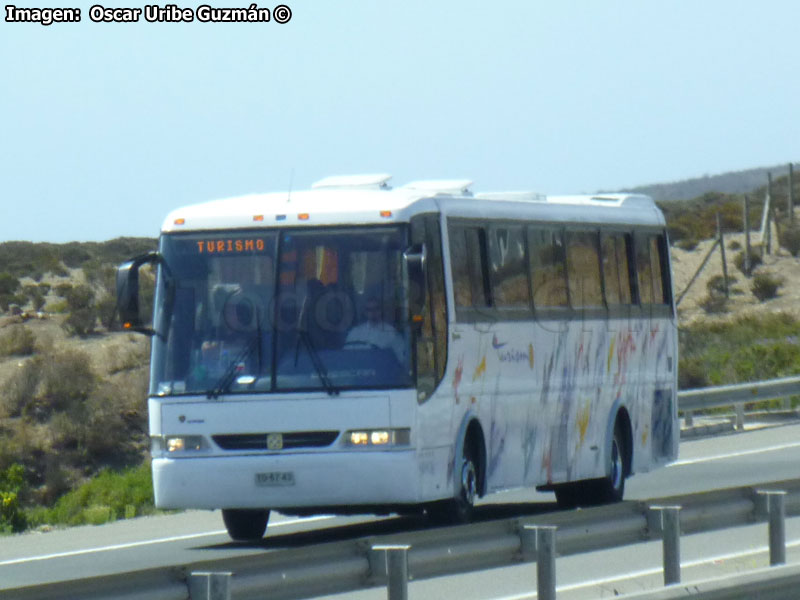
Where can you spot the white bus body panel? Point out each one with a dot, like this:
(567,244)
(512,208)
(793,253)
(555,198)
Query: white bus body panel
(546,395)
(335,475)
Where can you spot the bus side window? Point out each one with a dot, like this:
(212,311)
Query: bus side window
(436,293)
(660,294)
(548,276)
(510,287)
(615,268)
(459,260)
(431,342)
(478,266)
(644,269)
(583,264)
(468,257)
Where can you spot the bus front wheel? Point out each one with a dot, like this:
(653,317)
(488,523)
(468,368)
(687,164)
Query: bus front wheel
(245,525)
(459,509)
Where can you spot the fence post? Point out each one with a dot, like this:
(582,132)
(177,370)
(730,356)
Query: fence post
(746,236)
(722,254)
(776,510)
(790,200)
(205,585)
(396,562)
(671,542)
(546,562)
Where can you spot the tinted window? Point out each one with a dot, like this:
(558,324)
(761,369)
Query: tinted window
(616,276)
(585,287)
(469,260)
(547,267)
(507,266)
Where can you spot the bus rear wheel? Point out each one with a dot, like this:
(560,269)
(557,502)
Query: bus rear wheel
(245,525)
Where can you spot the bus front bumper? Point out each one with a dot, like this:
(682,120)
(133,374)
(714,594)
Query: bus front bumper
(287,480)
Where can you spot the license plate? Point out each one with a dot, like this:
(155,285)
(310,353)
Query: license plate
(275,478)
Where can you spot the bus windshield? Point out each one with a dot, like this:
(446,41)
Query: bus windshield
(273,311)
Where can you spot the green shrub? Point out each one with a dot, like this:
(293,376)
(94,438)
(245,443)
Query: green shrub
(744,349)
(755,260)
(12,482)
(50,382)
(20,388)
(58,307)
(716,285)
(82,317)
(17,340)
(691,375)
(63,289)
(8,283)
(687,244)
(735,245)
(790,239)
(106,497)
(714,303)
(765,286)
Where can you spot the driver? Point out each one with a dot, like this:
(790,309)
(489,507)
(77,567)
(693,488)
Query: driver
(374,332)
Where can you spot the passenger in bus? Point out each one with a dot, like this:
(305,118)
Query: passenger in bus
(375,332)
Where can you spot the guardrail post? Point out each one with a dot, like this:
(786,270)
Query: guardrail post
(740,416)
(396,564)
(776,511)
(527,538)
(671,542)
(688,418)
(205,585)
(546,562)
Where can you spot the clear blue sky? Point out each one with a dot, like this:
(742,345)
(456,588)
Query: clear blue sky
(104,128)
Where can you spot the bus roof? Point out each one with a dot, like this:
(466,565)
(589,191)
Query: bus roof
(367,199)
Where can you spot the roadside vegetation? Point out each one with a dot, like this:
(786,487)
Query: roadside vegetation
(73,408)
(744,349)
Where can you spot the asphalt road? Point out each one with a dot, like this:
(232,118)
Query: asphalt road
(733,460)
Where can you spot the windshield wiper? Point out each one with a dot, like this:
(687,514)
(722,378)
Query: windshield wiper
(229,376)
(319,367)
(322,372)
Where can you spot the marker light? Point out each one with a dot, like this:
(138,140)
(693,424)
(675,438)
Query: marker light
(179,221)
(386,213)
(303,216)
(258,217)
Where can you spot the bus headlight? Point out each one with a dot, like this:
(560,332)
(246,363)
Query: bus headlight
(179,443)
(378,437)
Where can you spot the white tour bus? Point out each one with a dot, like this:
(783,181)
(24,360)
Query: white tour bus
(358,348)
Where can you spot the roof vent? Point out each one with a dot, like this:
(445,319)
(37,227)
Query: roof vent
(354,181)
(513,196)
(442,186)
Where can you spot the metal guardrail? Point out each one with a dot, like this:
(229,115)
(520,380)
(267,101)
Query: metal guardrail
(728,395)
(356,564)
(773,583)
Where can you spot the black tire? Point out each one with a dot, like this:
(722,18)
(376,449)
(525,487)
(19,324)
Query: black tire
(567,496)
(245,525)
(459,509)
(611,488)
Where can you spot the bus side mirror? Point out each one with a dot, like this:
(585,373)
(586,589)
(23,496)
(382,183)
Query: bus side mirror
(128,292)
(416,264)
